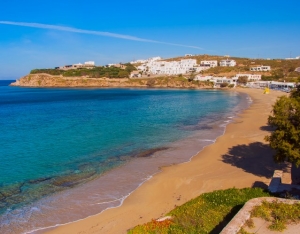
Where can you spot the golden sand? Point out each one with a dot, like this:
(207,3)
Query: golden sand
(240,158)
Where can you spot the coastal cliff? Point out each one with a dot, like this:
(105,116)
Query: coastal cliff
(46,80)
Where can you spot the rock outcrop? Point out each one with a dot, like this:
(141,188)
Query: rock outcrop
(46,80)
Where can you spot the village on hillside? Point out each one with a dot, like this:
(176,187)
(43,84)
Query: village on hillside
(222,71)
(189,66)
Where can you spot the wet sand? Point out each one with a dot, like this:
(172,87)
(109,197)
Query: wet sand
(240,158)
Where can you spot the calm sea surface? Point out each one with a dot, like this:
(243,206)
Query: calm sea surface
(86,150)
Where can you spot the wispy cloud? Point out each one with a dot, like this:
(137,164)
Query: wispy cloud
(99,33)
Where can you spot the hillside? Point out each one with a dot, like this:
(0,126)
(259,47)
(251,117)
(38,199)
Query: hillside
(281,69)
(94,72)
(46,80)
(105,76)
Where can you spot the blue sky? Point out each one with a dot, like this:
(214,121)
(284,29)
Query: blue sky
(265,29)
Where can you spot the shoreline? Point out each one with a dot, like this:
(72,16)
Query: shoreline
(42,80)
(208,170)
(196,134)
(171,154)
(186,159)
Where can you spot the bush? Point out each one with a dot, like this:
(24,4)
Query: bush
(243,80)
(96,72)
(208,213)
(223,85)
(151,82)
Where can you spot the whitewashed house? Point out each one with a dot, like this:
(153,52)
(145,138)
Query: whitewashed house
(89,63)
(77,65)
(156,66)
(272,85)
(251,77)
(135,74)
(203,78)
(173,67)
(260,68)
(218,81)
(139,61)
(142,67)
(227,63)
(209,63)
(282,85)
(153,59)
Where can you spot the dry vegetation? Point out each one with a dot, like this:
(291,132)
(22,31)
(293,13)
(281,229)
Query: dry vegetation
(281,70)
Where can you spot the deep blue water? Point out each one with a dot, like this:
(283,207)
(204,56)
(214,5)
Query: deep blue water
(6,82)
(55,139)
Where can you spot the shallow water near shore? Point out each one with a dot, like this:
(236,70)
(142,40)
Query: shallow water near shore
(72,153)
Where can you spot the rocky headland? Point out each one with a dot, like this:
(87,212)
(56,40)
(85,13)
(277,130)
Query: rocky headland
(46,80)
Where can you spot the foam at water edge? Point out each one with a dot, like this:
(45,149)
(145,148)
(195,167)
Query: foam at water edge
(122,199)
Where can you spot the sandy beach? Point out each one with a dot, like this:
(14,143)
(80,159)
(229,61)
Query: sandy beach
(239,158)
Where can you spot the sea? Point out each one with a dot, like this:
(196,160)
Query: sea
(70,153)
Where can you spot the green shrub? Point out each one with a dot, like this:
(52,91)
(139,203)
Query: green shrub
(223,85)
(204,214)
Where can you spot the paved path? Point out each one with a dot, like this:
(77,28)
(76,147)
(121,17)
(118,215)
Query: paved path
(261,227)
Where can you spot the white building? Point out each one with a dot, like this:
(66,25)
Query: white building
(251,77)
(89,63)
(272,85)
(142,67)
(203,78)
(227,63)
(260,68)
(154,59)
(146,61)
(282,85)
(157,66)
(139,61)
(171,68)
(135,74)
(209,63)
(77,65)
(218,81)
(200,68)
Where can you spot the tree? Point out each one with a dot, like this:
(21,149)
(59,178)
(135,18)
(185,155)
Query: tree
(223,85)
(285,140)
(243,80)
(192,76)
(129,67)
(123,74)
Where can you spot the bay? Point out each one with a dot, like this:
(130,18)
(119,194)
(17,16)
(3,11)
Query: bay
(57,140)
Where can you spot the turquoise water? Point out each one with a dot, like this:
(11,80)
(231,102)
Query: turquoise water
(56,140)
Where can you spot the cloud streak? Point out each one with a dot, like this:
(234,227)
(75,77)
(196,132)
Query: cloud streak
(98,33)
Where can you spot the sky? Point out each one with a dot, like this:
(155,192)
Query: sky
(46,34)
